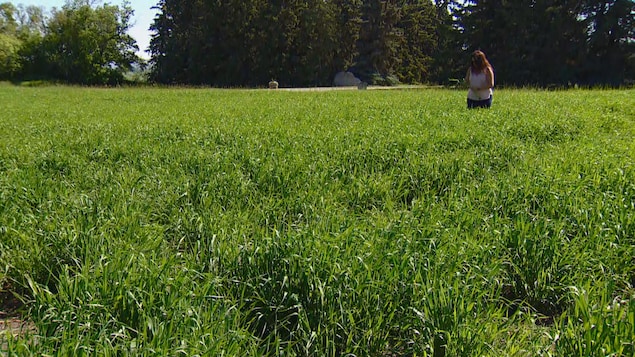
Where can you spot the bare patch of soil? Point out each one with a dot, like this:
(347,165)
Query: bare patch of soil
(11,320)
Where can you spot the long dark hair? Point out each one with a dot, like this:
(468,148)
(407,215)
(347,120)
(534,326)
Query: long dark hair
(479,62)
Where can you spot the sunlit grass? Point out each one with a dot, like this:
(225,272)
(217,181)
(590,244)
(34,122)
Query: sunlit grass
(219,222)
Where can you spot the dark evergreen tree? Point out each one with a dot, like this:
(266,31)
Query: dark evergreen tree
(313,44)
(349,21)
(610,55)
(379,40)
(537,42)
(449,60)
(235,42)
(419,41)
(298,42)
(168,44)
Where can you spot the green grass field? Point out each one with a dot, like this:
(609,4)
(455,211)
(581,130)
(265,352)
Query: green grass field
(359,223)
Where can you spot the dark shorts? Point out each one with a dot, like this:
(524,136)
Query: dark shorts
(472,104)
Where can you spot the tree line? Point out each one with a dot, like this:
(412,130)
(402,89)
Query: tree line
(305,43)
(79,43)
(298,43)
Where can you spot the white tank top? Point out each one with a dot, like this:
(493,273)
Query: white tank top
(479,80)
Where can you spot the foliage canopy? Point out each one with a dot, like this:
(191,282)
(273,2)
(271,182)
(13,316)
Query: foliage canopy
(305,43)
(541,42)
(79,43)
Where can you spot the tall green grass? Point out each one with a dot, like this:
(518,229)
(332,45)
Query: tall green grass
(368,223)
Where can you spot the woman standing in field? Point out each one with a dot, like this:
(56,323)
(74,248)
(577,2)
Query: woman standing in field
(480,78)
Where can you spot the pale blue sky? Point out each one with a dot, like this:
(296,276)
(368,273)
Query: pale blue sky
(141,20)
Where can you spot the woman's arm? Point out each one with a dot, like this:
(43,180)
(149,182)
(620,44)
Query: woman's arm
(489,77)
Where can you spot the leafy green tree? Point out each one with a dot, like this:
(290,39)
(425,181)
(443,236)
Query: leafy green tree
(9,43)
(31,21)
(8,23)
(9,58)
(84,44)
(31,28)
(17,26)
